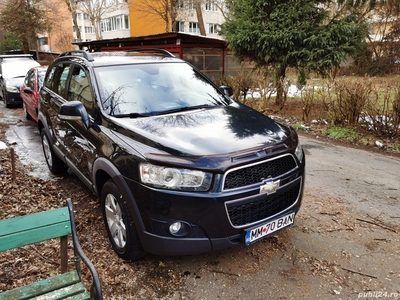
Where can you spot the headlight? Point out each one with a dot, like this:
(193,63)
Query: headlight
(175,179)
(299,152)
(12,89)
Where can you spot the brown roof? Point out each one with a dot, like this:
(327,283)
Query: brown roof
(168,41)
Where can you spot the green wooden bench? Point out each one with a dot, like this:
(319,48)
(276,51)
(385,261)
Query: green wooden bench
(38,227)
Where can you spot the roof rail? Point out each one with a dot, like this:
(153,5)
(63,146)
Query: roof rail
(153,50)
(79,52)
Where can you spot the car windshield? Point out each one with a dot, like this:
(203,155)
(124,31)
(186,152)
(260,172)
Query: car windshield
(151,89)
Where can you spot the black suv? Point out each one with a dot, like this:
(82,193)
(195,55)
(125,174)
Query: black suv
(180,167)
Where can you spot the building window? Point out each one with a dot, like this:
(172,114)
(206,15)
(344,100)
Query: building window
(181,3)
(212,28)
(191,4)
(89,29)
(210,6)
(180,26)
(115,23)
(194,27)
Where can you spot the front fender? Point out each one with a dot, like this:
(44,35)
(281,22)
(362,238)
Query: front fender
(103,165)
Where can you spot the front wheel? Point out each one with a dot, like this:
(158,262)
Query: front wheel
(119,223)
(56,165)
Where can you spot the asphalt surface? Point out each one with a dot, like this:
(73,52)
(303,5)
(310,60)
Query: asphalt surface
(365,179)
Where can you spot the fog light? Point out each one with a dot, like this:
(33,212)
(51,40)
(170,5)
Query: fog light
(175,227)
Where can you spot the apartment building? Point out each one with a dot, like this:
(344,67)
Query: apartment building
(113,24)
(127,20)
(146,21)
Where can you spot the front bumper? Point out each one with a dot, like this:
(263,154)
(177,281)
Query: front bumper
(13,98)
(216,220)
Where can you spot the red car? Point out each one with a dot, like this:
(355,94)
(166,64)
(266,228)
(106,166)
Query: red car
(30,91)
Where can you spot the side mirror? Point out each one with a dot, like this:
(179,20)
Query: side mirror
(74,110)
(227,90)
(28,91)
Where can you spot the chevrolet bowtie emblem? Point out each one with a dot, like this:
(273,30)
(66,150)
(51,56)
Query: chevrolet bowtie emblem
(269,187)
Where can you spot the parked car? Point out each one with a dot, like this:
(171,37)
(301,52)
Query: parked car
(12,73)
(180,167)
(30,91)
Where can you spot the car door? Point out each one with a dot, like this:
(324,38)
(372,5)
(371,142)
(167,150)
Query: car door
(52,96)
(29,98)
(79,142)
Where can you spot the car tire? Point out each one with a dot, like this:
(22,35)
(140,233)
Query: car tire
(26,114)
(55,164)
(6,103)
(119,223)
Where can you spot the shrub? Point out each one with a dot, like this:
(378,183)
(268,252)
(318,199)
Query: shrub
(382,116)
(350,97)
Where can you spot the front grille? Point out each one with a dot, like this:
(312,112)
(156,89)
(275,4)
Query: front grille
(243,212)
(253,174)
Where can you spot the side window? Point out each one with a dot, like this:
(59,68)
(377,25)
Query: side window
(31,80)
(62,83)
(79,89)
(50,78)
(27,78)
(57,78)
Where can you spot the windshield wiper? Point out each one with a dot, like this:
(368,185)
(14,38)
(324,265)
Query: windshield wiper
(133,115)
(184,108)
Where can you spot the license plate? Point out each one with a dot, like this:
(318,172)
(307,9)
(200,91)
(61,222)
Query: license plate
(262,231)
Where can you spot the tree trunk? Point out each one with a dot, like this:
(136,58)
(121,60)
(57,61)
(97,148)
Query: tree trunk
(280,89)
(25,45)
(72,7)
(166,18)
(76,25)
(173,14)
(97,30)
(199,13)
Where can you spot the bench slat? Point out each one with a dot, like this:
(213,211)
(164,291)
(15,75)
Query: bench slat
(24,230)
(58,287)
(76,291)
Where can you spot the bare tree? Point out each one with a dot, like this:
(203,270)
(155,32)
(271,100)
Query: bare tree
(170,10)
(96,9)
(165,10)
(73,7)
(220,5)
(199,13)
(64,41)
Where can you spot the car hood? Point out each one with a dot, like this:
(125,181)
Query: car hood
(215,131)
